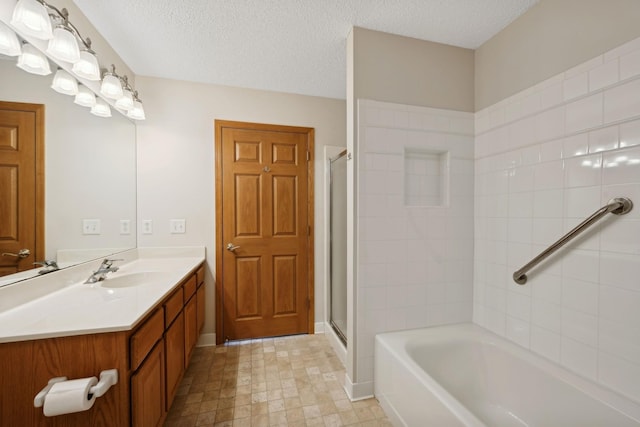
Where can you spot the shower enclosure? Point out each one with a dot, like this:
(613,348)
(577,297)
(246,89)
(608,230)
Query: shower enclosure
(338,245)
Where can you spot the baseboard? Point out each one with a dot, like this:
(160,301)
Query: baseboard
(206,340)
(358,391)
(338,347)
(318,328)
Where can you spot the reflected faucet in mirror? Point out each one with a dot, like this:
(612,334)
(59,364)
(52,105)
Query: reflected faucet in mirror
(101,273)
(49,266)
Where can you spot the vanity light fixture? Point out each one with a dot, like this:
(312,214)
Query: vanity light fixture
(64,83)
(36,18)
(87,66)
(9,44)
(137,112)
(101,109)
(33,61)
(31,18)
(64,44)
(111,86)
(85,97)
(125,102)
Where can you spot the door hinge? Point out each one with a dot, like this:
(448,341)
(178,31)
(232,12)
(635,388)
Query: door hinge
(308,230)
(308,156)
(308,302)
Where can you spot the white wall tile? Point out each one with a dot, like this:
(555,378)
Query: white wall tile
(622,102)
(576,145)
(630,134)
(583,171)
(630,65)
(603,139)
(603,75)
(581,306)
(587,112)
(518,331)
(576,86)
(546,315)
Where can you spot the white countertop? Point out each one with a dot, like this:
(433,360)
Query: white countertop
(77,308)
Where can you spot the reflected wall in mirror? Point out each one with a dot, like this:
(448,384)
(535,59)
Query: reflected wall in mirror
(90,173)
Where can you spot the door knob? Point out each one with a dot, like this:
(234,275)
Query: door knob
(231,247)
(22,253)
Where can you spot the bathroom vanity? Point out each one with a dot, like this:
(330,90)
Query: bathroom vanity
(143,320)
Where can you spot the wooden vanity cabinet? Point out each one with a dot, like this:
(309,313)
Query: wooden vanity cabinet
(151,360)
(147,390)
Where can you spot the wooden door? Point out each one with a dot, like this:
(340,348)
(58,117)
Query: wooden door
(21,185)
(264,258)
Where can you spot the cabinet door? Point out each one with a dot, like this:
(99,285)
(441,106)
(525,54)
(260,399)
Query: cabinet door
(148,389)
(174,348)
(200,315)
(190,328)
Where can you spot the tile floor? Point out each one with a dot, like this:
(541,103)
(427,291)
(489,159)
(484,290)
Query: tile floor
(286,381)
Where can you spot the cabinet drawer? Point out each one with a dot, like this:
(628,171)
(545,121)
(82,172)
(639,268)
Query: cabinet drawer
(200,275)
(145,337)
(189,288)
(172,307)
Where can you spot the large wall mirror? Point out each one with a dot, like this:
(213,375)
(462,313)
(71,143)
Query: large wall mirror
(90,173)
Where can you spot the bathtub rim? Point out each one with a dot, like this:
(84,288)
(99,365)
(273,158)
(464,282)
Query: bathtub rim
(397,344)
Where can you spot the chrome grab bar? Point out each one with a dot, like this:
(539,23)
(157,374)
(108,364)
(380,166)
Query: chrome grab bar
(617,206)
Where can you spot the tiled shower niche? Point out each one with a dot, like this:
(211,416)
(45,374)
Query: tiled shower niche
(426,178)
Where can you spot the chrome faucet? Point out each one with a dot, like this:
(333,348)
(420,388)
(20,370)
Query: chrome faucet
(49,266)
(101,273)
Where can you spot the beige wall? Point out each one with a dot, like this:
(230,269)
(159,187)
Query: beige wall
(551,37)
(409,71)
(176,173)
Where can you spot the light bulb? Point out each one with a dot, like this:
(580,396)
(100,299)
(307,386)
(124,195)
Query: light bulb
(101,109)
(64,45)
(137,112)
(85,97)
(31,18)
(64,83)
(33,61)
(9,44)
(87,66)
(126,101)
(111,86)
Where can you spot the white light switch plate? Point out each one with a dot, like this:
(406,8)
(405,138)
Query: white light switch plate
(147,226)
(125,226)
(177,226)
(90,226)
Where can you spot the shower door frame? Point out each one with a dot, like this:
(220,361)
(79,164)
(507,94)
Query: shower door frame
(339,333)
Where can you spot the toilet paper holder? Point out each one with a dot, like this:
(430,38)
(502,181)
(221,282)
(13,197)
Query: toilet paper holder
(107,379)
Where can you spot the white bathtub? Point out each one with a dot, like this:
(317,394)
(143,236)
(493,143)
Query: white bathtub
(464,375)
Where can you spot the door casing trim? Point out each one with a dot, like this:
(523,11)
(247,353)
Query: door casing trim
(310,132)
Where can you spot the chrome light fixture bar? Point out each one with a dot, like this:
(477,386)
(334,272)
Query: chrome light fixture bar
(41,20)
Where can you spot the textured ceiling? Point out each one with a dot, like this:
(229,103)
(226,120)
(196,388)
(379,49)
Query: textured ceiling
(295,46)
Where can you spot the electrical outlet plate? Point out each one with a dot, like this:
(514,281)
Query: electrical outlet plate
(90,226)
(147,226)
(177,226)
(125,226)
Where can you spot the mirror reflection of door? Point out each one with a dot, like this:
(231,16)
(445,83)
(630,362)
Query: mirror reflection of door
(21,186)
(265,230)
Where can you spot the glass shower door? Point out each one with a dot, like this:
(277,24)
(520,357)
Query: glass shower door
(338,245)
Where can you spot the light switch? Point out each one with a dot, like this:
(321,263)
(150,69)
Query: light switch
(125,226)
(147,226)
(177,226)
(90,226)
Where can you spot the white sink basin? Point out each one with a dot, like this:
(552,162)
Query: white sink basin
(132,279)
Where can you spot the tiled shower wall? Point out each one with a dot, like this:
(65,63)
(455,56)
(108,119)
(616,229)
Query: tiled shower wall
(415,216)
(546,159)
